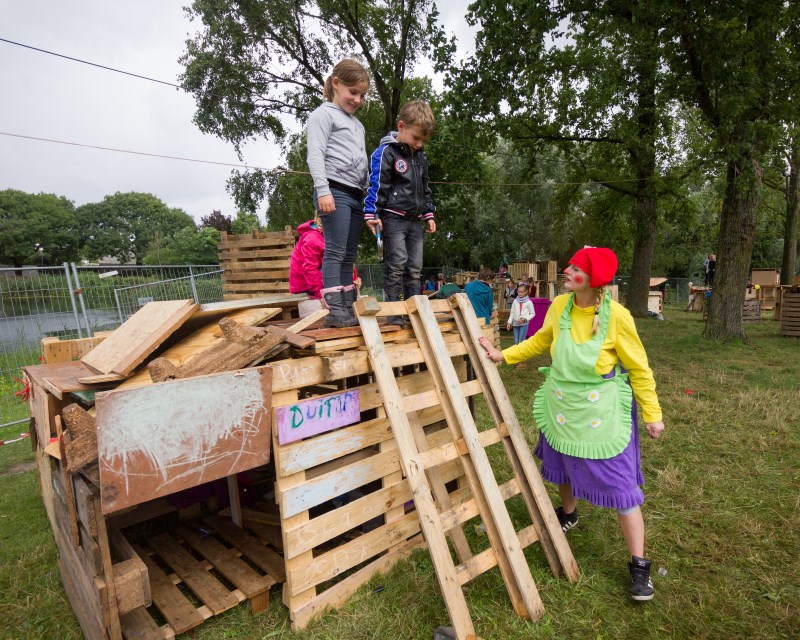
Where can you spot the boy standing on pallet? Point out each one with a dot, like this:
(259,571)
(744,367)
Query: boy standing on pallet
(399,198)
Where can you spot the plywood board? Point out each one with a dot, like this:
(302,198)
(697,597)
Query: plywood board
(139,336)
(153,441)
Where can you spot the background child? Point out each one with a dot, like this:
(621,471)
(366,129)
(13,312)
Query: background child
(305,275)
(522,312)
(337,160)
(399,197)
(480,294)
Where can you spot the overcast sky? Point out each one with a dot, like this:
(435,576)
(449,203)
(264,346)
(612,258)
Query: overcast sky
(48,97)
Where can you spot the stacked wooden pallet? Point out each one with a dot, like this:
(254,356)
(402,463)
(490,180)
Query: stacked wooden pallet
(523,270)
(751,311)
(790,312)
(255,264)
(336,505)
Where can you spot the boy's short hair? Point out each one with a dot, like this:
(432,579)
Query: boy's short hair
(485,274)
(418,113)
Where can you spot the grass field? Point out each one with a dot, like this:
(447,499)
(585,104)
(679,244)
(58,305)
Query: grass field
(722,517)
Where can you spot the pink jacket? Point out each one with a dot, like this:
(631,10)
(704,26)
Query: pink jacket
(304,265)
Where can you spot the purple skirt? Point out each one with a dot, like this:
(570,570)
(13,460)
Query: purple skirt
(614,482)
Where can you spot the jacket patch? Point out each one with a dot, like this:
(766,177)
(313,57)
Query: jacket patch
(400,165)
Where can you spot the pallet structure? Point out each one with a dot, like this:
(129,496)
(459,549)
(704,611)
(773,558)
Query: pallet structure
(790,311)
(483,497)
(256,263)
(331,509)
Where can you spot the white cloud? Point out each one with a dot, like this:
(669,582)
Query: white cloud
(49,97)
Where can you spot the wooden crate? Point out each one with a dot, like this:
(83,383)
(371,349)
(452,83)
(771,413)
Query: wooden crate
(57,350)
(790,313)
(765,277)
(255,264)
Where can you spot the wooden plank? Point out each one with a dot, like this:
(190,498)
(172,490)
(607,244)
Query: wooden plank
(254,274)
(206,587)
(499,528)
(60,378)
(139,625)
(317,415)
(537,500)
(227,562)
(346,556)
(102,378)
(200,340)
(114,630)
(156,440)
(67,484)
(181,614)
(257,243)
(82,446)
(428,515)
(257,287)
(57,350)
(263,557)
(238,257)
(139,336)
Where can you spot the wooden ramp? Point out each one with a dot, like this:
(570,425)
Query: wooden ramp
(439,517)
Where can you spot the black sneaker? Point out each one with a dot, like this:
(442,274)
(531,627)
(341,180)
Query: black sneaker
(567,520)
(641,585)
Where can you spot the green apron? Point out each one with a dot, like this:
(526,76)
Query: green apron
(581,413)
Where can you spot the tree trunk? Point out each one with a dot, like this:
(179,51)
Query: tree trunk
(643,157)
(735,249)
(644,241)
(789,263)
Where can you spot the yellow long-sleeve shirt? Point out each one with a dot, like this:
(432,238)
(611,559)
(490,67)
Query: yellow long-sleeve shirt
(622,344)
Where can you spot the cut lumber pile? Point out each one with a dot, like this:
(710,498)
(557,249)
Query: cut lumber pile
(256,263)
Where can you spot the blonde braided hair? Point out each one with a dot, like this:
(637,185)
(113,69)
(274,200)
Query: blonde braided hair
(601,294)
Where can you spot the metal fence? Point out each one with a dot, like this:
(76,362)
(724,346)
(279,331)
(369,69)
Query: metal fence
(73,301)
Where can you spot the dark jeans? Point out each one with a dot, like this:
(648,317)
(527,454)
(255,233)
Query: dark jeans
(402,256)
(342,230)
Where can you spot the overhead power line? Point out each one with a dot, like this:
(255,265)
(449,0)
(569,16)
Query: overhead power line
(92,64)
(305,173)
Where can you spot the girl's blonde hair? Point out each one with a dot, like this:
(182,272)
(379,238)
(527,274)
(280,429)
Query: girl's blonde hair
(350,72)
(601,294)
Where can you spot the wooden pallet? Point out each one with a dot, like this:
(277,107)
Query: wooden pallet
(790,313)
(751,311)
(256,264)
(210,562)
(421,465)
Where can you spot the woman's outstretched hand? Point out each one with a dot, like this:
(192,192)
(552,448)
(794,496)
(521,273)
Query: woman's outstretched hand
(491,352)
(654,429)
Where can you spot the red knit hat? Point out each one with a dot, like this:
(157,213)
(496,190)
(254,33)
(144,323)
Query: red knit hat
(599,263)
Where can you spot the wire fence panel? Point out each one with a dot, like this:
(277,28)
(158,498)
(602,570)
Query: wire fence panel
(34,302)
(202,288)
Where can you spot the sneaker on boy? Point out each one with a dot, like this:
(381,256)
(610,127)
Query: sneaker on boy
(399,199)
(641,585)
(567,520)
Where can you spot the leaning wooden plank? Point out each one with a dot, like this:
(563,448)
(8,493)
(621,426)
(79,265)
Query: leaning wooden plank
(181,614)
(241,346)
(198,341)
(553,540)
(500,530)
(139,336)
(156,440)
(415,474)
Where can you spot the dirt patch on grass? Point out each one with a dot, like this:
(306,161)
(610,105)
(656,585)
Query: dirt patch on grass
(19,468)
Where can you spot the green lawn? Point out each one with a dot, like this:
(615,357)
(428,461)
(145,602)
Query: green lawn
(722,516)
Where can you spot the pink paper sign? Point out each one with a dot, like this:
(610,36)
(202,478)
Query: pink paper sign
(317,415)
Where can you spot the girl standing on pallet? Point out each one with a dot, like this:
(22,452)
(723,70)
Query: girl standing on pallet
(585,410)
(337,160)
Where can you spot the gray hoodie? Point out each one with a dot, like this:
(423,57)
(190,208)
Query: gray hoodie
(336,148)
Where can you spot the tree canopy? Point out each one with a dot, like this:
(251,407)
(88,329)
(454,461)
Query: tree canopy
(37,229)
